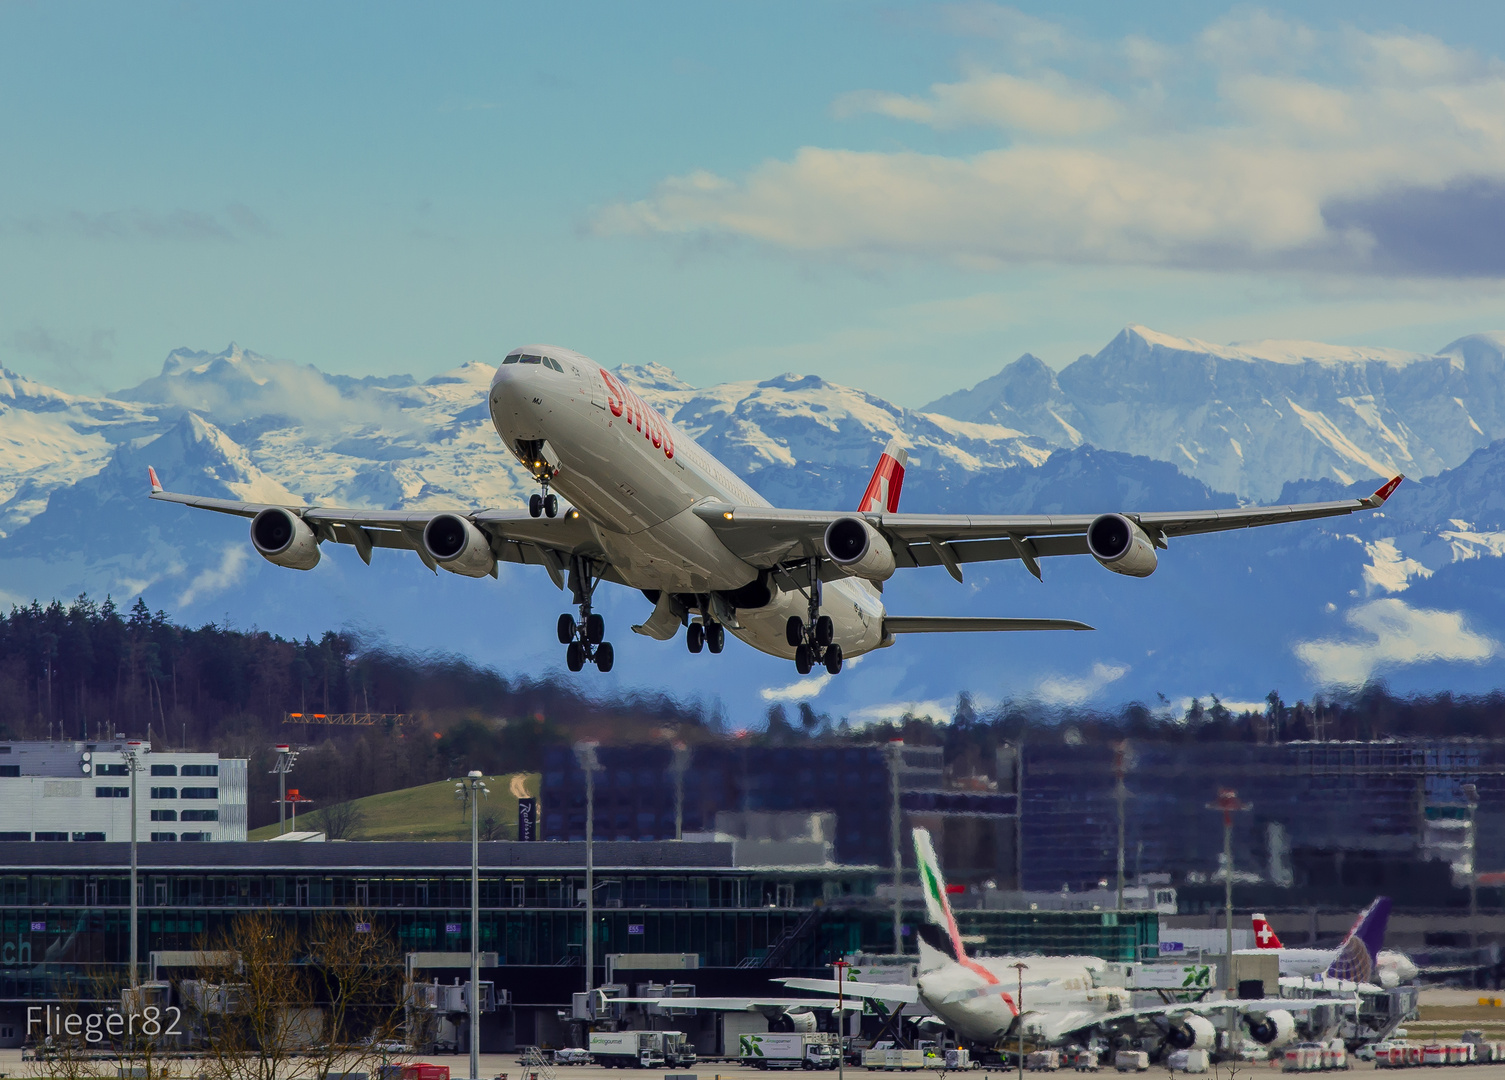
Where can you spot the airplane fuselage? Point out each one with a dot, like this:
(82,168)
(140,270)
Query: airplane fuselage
(635,478)
(1060,995)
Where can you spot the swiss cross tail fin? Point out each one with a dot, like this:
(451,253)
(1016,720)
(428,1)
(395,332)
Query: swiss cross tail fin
(1358,956)
(1264,934)
(882,494)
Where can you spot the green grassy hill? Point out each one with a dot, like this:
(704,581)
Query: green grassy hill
(429,812)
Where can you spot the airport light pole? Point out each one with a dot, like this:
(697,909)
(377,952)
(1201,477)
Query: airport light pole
(1120,766)
(1019,969)
(133,753)
(1471,795)
(1228,803)
(585,754)
(679,764)
(895,760)
(472,787)
(286,757)
(841,966)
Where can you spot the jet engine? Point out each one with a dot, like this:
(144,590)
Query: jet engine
(458,546)
(859,549)
(1121,545)
(282,537)
(1192,1033)
(1275,1029)
(800,1021)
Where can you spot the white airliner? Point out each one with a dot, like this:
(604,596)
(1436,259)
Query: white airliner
(1371,964)
(653,511)
(1066,999)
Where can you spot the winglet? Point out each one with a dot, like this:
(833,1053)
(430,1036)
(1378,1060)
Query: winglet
(151,474)
(1379,497)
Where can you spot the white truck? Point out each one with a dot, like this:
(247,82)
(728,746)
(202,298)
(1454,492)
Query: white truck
(641,1049)
(803,1050)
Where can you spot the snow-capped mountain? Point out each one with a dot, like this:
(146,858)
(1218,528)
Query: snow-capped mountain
(1412,594)
(1246,418)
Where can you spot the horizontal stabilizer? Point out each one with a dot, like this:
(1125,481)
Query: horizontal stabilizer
(940,624)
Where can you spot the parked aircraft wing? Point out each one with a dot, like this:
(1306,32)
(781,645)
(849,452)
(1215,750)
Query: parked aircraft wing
(514,535)
(769,536)
(873,991)
(734,1004)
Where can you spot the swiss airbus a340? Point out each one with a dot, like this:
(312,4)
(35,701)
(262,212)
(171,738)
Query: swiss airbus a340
(651,510)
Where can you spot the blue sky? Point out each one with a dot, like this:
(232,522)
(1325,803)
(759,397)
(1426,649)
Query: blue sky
(736,191)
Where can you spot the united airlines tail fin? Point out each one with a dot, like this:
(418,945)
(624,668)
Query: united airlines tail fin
(1264,934)
(882,494)
(1358,956)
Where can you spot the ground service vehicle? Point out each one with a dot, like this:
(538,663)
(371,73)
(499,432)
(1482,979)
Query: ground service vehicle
(802,1050)
(641,1049)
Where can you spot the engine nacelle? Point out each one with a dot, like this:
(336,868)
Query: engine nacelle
(458,546)
(1121,545)
(282,537)
(859,549)
(1192,1033)
(1276,1028)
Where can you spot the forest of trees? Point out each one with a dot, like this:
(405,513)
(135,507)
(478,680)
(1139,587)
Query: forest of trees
(87,671)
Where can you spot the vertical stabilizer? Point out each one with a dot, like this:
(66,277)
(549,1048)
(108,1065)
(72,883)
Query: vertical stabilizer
(1358,956)
(1264,934)
(882,494)
(938,908)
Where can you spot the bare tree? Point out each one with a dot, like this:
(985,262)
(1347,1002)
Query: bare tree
(341,821)
(275,1005)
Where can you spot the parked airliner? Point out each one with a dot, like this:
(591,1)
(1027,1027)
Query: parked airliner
(1351,962)
(651,510)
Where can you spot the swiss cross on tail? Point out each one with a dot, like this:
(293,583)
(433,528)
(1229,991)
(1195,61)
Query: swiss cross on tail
(882,494)
(1264,934)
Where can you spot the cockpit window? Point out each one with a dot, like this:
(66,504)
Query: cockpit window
(553,364)
(526,359)
(511,358)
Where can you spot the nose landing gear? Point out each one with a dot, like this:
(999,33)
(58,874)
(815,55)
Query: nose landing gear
(545,504)
(705,633)
(813,638)
(583,637)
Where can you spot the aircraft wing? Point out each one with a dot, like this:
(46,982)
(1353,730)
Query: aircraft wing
(902,992)
(515,536)
(770,537)
(733,1004)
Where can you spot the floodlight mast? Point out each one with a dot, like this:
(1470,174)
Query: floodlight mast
(476,791)
(133,753)
(286,757)
(585,754)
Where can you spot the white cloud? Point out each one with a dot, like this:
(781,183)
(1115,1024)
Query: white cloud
(1393,634)
(1318,151)
(1065,690)
(800,690)
(216,579)
(937,709)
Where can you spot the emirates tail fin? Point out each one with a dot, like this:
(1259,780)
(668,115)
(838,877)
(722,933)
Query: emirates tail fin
(882,494)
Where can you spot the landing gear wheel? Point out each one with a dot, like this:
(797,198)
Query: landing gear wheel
(566,629)
(574,656)
(825,630)
(803,661)
(604,656)
(715,637)
(595,628)
(794,631)
(551,505)
(535,504)
(695,637)
(833,659)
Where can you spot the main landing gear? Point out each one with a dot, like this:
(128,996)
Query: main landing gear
(584,636)
(705,634)
(813,637)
